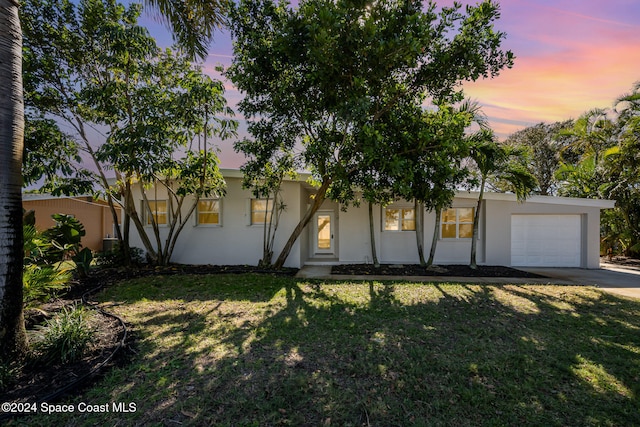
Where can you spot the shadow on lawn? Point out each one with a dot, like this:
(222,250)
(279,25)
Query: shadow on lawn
(385,354)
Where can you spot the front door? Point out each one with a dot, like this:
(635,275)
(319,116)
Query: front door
(323,232)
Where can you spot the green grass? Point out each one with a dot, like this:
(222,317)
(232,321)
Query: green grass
(249,350)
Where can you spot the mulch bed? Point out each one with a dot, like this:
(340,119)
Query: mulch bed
(438,270)
(38,382)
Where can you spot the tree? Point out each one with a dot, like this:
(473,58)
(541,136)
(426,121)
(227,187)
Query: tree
(155,110)
(581,173)
(545,146)
(13,339)
(495,161)
(92,64)
(328,69)
(12,333)
(621,179)
(192,22)
(264,177)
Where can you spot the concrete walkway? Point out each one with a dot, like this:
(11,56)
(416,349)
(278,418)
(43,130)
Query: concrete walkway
(611,278)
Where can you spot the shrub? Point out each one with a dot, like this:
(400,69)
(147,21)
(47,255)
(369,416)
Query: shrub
(8,373)
(65,337)
(115,258)
(42,282)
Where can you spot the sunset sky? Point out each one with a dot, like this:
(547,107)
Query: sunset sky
(571,56)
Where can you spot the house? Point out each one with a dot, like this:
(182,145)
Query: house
(94,214)
(543,231)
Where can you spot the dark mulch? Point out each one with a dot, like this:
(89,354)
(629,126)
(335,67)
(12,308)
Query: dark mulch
(439,270)
(38,382)
(623,261)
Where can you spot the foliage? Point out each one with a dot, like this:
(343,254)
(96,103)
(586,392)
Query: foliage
(263,173)
(42,275)
(321,76)
(52,159)
(545,148)
(8,373)
(42,282)
(192,23)
(497,162)
(91,64)
(64,338)
(114,258)
(621,179)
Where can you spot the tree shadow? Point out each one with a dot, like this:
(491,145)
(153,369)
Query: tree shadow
(390,354)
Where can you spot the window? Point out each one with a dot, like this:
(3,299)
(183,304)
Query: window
(157,209)
(260,209)
(457,223)
(208,212)
(399,219)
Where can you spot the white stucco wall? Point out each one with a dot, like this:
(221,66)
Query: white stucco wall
(399,246)
(235,241)
(494,239)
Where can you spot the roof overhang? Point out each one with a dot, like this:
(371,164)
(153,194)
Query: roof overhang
(550,200)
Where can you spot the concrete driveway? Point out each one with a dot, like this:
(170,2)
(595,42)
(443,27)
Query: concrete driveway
(610,277)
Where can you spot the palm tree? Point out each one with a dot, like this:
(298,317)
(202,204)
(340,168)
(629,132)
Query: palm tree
(13,341)
(494,161)
(192,22)
(440,199)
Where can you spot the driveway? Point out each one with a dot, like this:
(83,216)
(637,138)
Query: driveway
(610,277)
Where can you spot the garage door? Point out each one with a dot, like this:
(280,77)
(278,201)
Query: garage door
(546,240)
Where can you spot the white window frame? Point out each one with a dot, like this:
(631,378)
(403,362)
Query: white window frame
(219,212)
(147,212)
(457,222)
(401,219)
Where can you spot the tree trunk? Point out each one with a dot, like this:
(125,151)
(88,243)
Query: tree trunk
(434,240)
(476,221)
(418,212)
(13,339)
(372,233)
(317,202)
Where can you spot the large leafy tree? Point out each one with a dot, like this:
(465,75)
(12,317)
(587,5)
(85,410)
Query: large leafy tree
(12,334)
(326,70)
(545,145)
(92,64)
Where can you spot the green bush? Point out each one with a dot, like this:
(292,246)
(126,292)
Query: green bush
(42,282)
(115,258)
(65,337)
(8,373)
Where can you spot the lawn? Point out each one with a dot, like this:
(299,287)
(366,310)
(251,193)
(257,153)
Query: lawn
(256,350)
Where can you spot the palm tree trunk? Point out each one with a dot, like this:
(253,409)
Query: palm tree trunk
(434,240)
(374,254)
(476,226)
(13,339)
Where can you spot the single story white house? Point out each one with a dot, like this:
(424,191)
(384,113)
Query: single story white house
(543,231)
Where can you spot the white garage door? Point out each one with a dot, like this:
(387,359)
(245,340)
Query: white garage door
(546,240)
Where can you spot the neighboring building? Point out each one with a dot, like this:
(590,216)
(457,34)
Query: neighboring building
(543,231)
(94,214)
